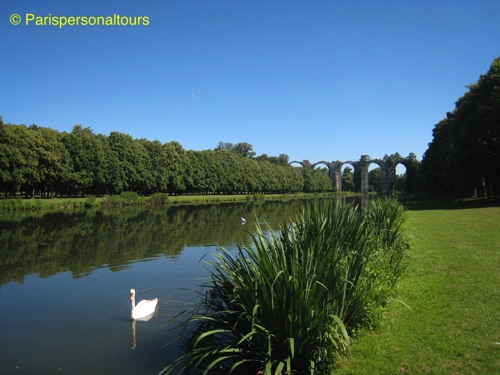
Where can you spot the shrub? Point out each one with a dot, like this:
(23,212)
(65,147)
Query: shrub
(129,197)
(90,201)
(32,204)
(111,201)
(288,302)
(12,204)
(158,199)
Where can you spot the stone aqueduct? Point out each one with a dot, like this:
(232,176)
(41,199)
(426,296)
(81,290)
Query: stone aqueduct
(388,171)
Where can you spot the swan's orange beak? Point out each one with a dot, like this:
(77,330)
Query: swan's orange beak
(131,295)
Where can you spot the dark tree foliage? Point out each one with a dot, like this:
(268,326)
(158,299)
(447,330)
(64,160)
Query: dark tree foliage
(41,161)
(348,179)
(316,180)
(375,180)
(282,159)
(243,148)
(464,155)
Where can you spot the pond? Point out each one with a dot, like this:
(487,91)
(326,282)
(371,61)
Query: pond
(65,279)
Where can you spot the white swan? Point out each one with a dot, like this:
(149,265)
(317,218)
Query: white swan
(243,220)
(143,308)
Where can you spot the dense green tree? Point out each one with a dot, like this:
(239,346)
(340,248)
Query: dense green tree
(316,180)
(79,144)
(309,180)
(233,174)
(107,174)
(464,155)
(323,180)
(196,180)
(412,166)
(134,163)
(347,179)
(53,160)
(158,161)
(177,167)
(293,180)
(375,180)
(282,159)
(270,183)
(205,172)
(228,146)
(266,157)
(392,160)
(6,157)
(23,159)
(250,177)
(401,182)
(244,149)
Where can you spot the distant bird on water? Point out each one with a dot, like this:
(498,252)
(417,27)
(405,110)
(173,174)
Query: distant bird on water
(243,220)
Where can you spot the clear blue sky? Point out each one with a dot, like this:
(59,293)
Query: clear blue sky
(316,80)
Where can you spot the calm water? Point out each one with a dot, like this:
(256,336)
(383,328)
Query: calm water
(65,280)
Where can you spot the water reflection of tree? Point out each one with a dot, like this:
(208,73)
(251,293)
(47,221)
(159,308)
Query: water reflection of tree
(79,241)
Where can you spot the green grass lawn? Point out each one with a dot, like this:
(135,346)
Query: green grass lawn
(451,321)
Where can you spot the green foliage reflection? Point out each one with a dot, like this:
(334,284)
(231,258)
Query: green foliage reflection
(81,240)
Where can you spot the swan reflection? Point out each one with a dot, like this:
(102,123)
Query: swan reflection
(133,322)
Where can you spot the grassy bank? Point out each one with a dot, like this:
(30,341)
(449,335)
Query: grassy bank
(451,324)
(127,199)
(220,198)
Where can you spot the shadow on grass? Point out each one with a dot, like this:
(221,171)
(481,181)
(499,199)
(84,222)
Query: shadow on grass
(435,202)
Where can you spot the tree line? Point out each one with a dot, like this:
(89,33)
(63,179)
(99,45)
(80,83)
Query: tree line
(464,155)
(42,161)
(462,159)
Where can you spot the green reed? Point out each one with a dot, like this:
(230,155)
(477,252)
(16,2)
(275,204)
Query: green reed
(288,302)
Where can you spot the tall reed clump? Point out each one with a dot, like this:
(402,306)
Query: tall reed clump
(288,302)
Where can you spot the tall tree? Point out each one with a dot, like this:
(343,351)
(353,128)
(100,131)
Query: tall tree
(134,161)
(24,160)
(244,149)
(464,154)
(53,160)
(375,180)
(347,179)
(88,160)
(228,146)
(6,151)
(176,167)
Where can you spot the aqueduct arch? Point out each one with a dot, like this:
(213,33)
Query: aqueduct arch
(387,167)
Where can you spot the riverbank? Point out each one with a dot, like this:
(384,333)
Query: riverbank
(446,319)
(22,204)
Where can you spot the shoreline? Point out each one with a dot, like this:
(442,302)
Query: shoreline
(35,204)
